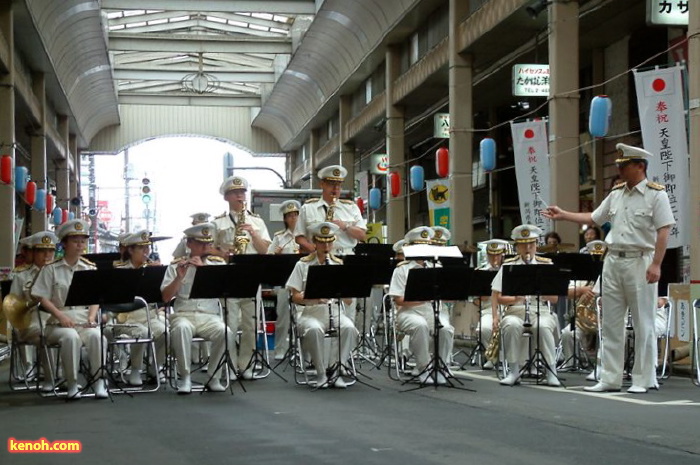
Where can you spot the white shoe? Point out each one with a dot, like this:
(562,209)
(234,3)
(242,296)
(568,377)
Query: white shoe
(425,378)
(321,382)
(279,356)
(637,389)
(100,390)
(488,365)
(248,373)
(216,386)
(592,376)
(339,383)
(512,378)
(184,386)
(552,380)
(602,387)
(73,392)
(135,378)
(441,380)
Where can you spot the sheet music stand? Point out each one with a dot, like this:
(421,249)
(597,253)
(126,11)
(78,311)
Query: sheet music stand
(96,287)
(379,250)
(581,267)
(338,282)
(435,285)
(524,280)
(480,286)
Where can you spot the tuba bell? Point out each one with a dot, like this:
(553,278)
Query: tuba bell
(586,314)
(17,310)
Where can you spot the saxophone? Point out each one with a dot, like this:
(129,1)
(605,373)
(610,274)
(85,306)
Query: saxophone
(240,239)
(331,210)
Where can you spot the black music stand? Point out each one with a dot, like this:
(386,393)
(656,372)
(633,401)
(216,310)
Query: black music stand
(96,287)
(338,282)
(436,285)
(382,250)
(480,286)
(581,267)
(524,280)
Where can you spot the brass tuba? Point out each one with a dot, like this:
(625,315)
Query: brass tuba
(17,309)
(586,315)
(241,239)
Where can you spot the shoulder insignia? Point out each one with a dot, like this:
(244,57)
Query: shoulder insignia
(19,269)
(118,263)
(511,259)
(543,259)
(309,258)
(346,201)
(312,200)
(254,215)
(55,260)
(216,259)
(223,215)
(656,186)
(85,260)
(335,259)
(278,233)
(618,186)
(405,262)
(178,260)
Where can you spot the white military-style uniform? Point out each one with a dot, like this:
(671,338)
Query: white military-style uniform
(635,215)
(515,345)
(52,283)
(485,312)
(314,212)
(241,312)
(194,317)
(314,320)
(419,322)
(285,240)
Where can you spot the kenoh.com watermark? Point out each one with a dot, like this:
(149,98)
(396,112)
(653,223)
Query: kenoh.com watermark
(43,445)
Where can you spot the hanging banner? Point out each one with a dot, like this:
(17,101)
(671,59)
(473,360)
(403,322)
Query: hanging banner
(662,117)
(438,202)
(374,233)
(532,170)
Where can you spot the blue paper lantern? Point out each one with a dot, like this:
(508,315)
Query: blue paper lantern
(487,152)
(57,216)
(71,216)
(417,178)
(21,178)
(40,200)
(375,198)
(600,115)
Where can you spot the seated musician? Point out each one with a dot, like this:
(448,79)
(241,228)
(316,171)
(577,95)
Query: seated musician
(318,316)
(495,250)
(71,327)
(136,255)
(194,317)
(516,346)
(416,318)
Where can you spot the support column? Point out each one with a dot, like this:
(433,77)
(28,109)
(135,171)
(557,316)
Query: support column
(62,171)
(564,112)
(461,137)
(74,176)
(347,151)
(7,140)
(313,148)
(395,147)
(694,96)
(38,151)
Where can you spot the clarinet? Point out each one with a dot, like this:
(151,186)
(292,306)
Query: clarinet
(331,325)
(527,324)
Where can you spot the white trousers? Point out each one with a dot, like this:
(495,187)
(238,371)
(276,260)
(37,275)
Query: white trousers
(241,315)
(419,324)
(71,340)
(486,327)
(183,326)
(282,322)
(313,324)
(625,286)
(516,345)
(139,330)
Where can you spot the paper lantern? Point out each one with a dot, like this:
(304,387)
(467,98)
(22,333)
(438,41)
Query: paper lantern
(599,116)
(49,203)
(30,192)
(442,162)
(6,169)
(375,198)
(395,184)
(57,216)
(39,200)
(65,214)
(71,216)
(360,204)
(417,178)
(487,152)
(21,178)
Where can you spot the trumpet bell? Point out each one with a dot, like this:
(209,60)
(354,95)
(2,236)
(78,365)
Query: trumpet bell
(16,309)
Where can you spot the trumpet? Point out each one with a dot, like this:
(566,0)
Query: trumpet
(494,346)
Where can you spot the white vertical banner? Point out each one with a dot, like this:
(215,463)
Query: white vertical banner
(532,170)
(683,320)
(662,117)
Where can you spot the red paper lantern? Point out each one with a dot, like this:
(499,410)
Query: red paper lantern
(49,203)
(395,184)
(64,216)
(30,193)
(360,205)
(442,162)
(6,169)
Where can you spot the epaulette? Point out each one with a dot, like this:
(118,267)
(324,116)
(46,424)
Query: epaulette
(254,215)
(280,232)
(309,258)
(618,186)
(346,201)
(335,259)
(223,215)
(55,260)
(543,259)
(656,186)
(216,258)
(178,260)
(85,260)
(405,262)
(19,269)
(118,263)
(312,200)
(511,259)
